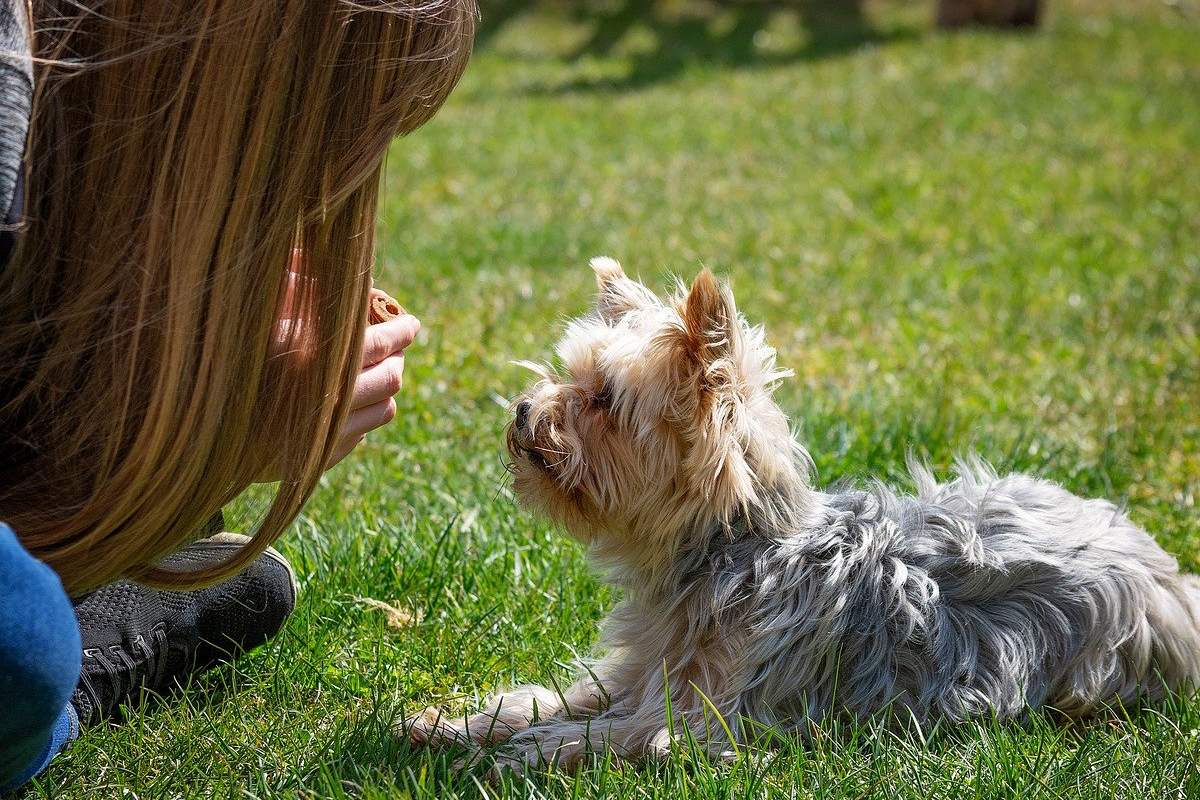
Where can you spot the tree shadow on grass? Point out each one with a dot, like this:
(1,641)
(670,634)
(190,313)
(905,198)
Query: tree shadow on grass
(496,14)
(722,33)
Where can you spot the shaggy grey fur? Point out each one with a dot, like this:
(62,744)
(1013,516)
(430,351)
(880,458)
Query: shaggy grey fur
(981,595)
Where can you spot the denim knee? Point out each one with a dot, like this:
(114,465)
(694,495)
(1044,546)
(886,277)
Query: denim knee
(39,654)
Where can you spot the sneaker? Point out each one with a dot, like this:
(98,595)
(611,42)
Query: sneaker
(139,639)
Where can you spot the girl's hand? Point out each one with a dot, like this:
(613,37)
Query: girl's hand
(382,375)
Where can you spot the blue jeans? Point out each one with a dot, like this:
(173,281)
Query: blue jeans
(39,664)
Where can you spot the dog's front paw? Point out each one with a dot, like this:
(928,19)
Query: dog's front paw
(537,750)
(520,762)
(433,728)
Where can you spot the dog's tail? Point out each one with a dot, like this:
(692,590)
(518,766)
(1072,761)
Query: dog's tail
(1177,633)
(1192,584)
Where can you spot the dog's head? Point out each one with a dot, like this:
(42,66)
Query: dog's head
(658,420)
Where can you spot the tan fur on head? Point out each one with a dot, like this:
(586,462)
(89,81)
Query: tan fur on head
(658,420)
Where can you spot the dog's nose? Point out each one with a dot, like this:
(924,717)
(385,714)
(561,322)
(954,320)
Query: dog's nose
(522,414)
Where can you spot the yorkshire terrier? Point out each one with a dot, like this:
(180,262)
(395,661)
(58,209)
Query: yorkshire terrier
(752,600)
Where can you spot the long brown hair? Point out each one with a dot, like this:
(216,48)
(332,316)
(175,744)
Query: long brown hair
(180,152)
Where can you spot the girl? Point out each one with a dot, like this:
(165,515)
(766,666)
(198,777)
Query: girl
(181,315)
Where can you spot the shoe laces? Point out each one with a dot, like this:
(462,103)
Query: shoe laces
(122,672)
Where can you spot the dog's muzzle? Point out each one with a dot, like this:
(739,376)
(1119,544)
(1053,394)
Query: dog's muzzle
(521,439)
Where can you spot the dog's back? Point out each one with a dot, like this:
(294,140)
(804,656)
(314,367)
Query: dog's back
(981,595)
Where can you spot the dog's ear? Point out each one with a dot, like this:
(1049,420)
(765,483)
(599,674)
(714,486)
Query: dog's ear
(709,317)
(712,335)
(617,295)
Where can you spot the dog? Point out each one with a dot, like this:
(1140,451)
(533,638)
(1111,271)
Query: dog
(753,600)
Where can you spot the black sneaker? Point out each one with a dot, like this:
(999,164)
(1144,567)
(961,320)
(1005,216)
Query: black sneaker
(139,639)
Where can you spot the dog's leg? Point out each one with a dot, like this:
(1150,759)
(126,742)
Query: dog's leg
(503,715)
(564,743)
(624,731)
(507,714)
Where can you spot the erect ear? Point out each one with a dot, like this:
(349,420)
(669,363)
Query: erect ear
(617,295)
(709,317)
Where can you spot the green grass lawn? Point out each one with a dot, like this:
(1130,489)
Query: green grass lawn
(979,241)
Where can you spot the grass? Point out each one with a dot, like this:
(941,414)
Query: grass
(979,241)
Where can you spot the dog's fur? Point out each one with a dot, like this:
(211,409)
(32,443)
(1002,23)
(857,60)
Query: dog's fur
(751,595)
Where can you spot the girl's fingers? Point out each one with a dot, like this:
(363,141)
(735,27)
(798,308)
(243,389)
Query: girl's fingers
(378,383)
(390,337)
(373,404)
(365,420)
(344,448)
(360,423)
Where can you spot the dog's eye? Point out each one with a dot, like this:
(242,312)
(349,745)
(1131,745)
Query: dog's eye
(602,398)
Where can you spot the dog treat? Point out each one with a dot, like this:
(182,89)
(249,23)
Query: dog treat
(383,307)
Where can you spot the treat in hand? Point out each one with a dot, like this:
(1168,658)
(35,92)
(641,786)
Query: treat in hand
(383,307)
